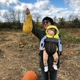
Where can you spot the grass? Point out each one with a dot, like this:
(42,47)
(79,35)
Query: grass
(70,35)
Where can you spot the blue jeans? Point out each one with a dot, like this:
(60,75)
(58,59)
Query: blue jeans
(52,75)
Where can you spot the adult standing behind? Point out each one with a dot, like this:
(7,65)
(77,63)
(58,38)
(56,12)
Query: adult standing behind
(28,27)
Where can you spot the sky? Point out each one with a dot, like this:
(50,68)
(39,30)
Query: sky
(51,8)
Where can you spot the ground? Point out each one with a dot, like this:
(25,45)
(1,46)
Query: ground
(19,54)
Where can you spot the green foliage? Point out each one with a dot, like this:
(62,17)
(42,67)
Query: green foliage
(10,25)
(61,22)
(67,37)
(75,23)
(15,27)
(38,24)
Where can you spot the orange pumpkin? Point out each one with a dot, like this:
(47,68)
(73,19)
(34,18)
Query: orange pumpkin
(71,53)
(30,75)
(21,43)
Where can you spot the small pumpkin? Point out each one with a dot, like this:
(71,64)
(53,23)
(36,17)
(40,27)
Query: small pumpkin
(30,75)
(71,53)
(21,44)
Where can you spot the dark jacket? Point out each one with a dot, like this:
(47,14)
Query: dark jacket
(40,34)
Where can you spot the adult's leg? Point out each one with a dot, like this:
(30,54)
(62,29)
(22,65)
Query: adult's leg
(53,75)
(44,75)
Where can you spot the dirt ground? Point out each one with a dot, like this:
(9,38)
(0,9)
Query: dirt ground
(19,54)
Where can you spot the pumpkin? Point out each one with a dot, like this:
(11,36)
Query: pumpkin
(21,44)
(71,53)
(30,75)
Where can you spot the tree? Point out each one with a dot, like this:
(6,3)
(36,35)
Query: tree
(37,17)
(61,22)
(71,17)
(76,23)
(55,19)
(12,16)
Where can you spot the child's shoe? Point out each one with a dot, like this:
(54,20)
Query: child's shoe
(55,67)
(45,68)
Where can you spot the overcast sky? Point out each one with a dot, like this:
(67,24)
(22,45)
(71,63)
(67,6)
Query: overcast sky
(52,8)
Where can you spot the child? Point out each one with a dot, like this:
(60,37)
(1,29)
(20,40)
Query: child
(49,46)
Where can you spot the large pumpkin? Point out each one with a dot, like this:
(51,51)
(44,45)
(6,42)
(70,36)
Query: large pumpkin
(30,75)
